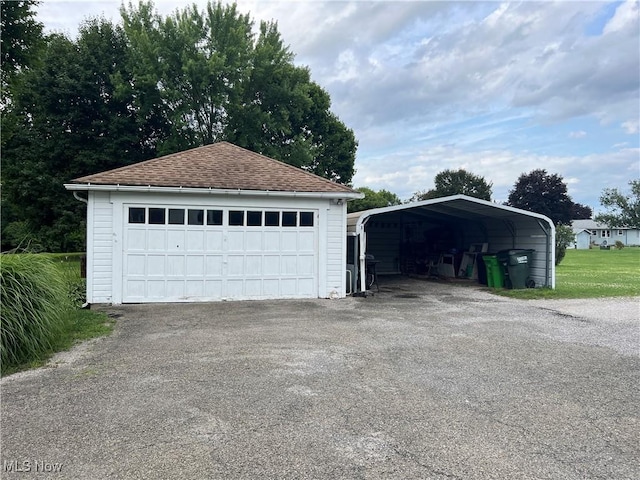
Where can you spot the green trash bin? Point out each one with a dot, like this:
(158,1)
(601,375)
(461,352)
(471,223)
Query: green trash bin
(495,278)
(515,264)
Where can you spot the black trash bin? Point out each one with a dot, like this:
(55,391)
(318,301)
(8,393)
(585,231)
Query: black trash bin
(516,263)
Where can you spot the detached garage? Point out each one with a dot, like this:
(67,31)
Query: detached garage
(447,235)
(213,223)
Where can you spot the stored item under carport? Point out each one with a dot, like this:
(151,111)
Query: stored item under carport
(515,263)
(495,276)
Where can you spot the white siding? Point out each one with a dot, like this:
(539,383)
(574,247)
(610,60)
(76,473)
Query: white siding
(106,233)
(99,248)
(336,260)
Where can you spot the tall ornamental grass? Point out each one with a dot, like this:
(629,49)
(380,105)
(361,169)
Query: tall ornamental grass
(34,301)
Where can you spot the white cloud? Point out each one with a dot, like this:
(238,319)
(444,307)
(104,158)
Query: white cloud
(631,126)
(346,67)
(578,134)
(625,17)
(410,170)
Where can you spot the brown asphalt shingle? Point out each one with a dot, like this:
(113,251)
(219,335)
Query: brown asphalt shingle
(221,166)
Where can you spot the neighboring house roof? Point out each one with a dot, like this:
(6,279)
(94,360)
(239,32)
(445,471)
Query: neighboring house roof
(579,225)
(217,166)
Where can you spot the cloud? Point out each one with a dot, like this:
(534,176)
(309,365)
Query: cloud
(430,61)
(625,17)
(631,126)
(578,134)
(405,171)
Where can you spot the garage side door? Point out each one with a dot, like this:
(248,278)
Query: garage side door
(177,254)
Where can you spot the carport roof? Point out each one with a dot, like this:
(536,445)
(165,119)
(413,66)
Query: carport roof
(457,206)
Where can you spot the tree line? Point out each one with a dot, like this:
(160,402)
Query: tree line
(536,191)
(150,85)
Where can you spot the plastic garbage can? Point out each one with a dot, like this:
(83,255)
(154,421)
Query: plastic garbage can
(495,277)
(516,265)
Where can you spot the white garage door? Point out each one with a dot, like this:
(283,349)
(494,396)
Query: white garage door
(174,254)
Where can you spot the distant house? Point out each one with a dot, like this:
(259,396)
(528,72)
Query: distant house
(590,232)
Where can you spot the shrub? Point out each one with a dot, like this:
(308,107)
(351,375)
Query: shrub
(619,245)
(34,298)
(564,238)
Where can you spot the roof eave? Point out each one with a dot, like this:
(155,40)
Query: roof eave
(208,191)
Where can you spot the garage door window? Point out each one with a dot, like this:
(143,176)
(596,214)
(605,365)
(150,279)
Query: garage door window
(157,216)
(306,219)
(236,218)
(289,219)
(214,217)
(136,215)
(176,216)
(196,217)
(254,219)
(272,219)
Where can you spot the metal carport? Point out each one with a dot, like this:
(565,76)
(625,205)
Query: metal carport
(456,222)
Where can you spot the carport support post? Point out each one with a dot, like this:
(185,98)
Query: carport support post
(550,232)
(362,256)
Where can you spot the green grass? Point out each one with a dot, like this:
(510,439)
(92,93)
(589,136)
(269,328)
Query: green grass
(591,273)
(33,334)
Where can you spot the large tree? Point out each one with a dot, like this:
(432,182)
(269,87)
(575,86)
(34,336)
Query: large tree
(581,212)
(457,182)
(20,38)
(20,43)
(544,193)
(215,80)
(285,115)
(623,210)
(373,199)
(73,120)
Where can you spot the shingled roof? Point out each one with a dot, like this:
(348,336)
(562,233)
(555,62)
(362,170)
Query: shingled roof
(221,165)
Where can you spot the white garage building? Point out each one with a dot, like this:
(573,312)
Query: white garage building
(213,223)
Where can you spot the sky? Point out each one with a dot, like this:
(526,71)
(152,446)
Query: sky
(497,89)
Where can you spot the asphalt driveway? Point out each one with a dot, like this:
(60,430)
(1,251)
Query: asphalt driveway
(424,380)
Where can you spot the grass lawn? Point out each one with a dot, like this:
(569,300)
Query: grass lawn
(591,274)
(81,324)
